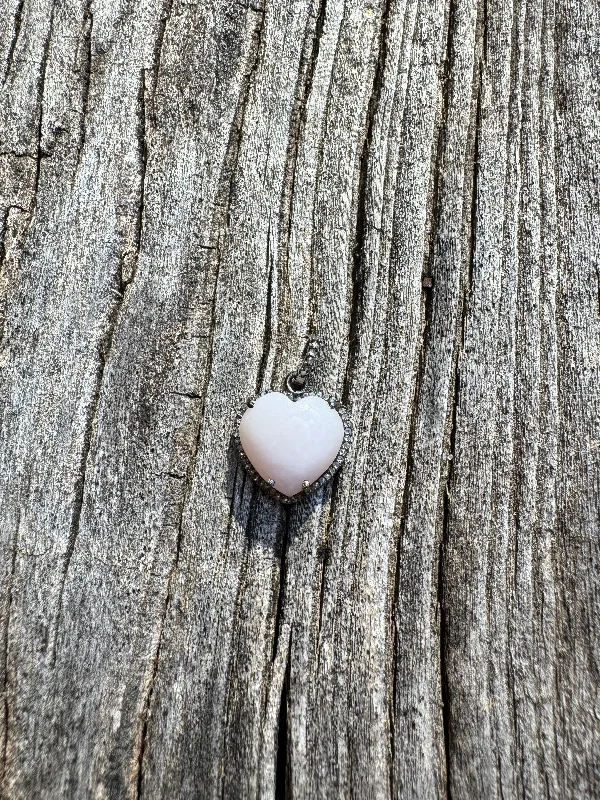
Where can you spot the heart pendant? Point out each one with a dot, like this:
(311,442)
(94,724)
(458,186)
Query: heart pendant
(292,442)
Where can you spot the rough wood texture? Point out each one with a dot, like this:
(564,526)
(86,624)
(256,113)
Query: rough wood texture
(188,192)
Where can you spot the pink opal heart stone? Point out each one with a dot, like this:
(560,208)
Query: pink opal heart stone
(291,442)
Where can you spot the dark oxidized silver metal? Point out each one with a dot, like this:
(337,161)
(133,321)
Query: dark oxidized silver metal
(296,381)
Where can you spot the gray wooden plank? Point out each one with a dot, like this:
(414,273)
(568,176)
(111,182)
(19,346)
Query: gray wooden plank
(188,192)
(420,758)
(354,652)
(212,688)
(519,503)
(86,663)
(576,543)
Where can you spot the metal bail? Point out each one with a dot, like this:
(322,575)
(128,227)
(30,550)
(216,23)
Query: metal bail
(296,381)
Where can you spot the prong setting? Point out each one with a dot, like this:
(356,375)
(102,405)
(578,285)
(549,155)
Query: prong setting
(269,486)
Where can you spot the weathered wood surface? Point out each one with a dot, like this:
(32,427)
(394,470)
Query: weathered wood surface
(190,190)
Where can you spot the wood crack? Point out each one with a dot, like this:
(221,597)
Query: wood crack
(472,172)
(189,395)
(157,53)
(281,758)
(16,154)
(86,71)
(6,709)
(250,7)
(145,716)
(126,279)
(440,606)
(313,292)
(282,775)
(306,71)
(40,154)
(475,181)
(515,122)
(281,588)
(241,585)
(358,273)
(324,554)
(268,312)
(5,220)
(403,515)
(18,21)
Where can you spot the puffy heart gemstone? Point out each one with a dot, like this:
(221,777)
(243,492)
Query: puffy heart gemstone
(291,441)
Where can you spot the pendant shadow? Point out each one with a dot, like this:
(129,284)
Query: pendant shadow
(266,521)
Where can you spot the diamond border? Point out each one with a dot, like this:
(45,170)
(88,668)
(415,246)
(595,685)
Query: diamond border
(329,472)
